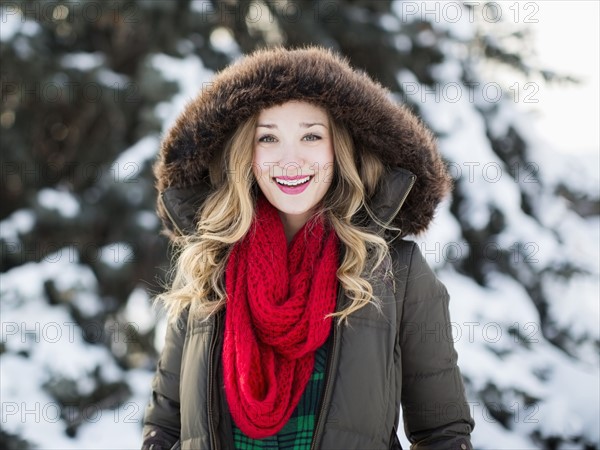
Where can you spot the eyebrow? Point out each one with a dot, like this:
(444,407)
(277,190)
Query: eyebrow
(302,124)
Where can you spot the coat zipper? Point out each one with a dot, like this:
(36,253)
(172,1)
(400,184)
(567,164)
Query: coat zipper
(211,384)
(332,361)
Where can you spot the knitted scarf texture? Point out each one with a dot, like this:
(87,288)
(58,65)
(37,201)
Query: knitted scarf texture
(278,297)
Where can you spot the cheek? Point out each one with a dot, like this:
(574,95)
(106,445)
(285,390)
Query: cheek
(329,167)
(258,175)
(326,166)
(257,165)
(327,174)
(327,160)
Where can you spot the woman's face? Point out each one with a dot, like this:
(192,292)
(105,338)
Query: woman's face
(293,158)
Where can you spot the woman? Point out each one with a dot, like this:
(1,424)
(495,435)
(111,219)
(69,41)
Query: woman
(299,317)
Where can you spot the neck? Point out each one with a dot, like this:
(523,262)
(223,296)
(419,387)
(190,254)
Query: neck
(292,224)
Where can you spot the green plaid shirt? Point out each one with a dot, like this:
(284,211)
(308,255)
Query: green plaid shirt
(297,433)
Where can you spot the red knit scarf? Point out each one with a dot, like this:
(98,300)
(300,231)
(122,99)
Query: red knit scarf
(277,300)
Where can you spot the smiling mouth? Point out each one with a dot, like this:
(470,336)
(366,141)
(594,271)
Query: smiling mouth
(297,181)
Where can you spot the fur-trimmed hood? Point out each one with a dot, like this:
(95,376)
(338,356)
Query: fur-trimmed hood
(270,77)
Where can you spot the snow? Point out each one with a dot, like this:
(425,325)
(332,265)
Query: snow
(222,40)
(402,43)
(497,330)
(592,237)
(506,304)
(87,304)
(117,254)
(139,311)
(443,239)
(13,22)
(407,12)
(147,220)
(449,70)
(55,349)
(48,333)
(491,435)
(572,388)
(574,305)
(478,329)
(191,76)
(31,413)
(202,6)
(453,18)
(581,174)
(27,410)
(185,46)
(390,23)
(160,332)
(426,38)
(113,79)
(456,20)
(18,223)
(22,48)
(26,281)
(83,61)
(128,166)
(60,201)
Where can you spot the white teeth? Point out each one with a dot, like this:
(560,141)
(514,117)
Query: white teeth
(292,182)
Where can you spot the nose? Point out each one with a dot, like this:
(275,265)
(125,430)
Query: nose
(291,160)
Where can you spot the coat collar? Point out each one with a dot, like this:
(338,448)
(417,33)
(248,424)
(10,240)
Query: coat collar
(181,204)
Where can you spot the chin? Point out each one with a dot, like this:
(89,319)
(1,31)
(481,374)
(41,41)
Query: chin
(295,211)
(290,205)
(284,207)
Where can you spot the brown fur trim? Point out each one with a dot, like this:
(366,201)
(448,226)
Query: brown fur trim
(269,77)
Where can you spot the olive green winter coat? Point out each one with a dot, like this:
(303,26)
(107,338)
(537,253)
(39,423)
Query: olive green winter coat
(401,356)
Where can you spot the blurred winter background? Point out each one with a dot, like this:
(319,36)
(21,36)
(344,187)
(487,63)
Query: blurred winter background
(510,89)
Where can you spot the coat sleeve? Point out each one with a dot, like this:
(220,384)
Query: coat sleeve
(436,414)
(162,417)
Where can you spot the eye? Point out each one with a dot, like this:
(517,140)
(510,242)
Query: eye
(267,138)
(312,137)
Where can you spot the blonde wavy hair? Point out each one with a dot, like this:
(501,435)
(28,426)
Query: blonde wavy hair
(200,259)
